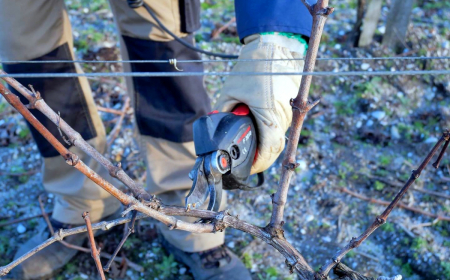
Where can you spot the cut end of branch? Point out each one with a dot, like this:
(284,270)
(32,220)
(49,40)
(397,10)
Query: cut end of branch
(446,135)
(71,159)
(326,12)
(313,104)
(3,271)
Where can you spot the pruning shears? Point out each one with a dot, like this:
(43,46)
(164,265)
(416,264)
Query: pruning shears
(225,145)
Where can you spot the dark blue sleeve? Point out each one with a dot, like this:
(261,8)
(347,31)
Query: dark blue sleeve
(256,16)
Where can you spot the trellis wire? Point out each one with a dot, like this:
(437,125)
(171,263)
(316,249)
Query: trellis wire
(182,74)
(227,60)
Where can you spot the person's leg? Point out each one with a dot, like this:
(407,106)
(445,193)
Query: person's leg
(165,108)
(40,30)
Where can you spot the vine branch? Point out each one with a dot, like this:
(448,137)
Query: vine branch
(300,105)
(380,220)
(94,251)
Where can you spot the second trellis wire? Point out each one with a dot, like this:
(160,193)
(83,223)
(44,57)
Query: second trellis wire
(182,74)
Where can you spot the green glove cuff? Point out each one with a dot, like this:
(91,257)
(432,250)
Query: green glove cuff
(292,36)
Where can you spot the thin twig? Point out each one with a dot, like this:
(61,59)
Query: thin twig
(4,224)
(441,195)
(399,185)
(406,230)
(425,224)
(94,251)
(441,154)
(52,230)
(370,257)
(309,7)
(109,110)
(25,173)
(124,238)
(380,220)
(115,131)
(217,32)
(44,214)
(400,205)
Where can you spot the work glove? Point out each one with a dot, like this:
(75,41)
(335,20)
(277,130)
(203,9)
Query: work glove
(268,97)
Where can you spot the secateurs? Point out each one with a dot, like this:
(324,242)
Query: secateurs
(225,144)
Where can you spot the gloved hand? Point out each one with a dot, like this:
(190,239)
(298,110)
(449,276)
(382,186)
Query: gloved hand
(267,96)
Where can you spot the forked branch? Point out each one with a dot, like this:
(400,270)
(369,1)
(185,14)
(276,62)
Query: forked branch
(301,107)
(129,231)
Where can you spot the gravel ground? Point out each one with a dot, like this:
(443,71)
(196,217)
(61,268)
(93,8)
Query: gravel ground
(366,135)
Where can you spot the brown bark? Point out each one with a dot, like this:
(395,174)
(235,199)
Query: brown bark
(94,251)
(300,106)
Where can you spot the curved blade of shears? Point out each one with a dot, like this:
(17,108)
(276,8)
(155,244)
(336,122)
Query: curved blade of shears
(214,185)
(199,190)
(215,195)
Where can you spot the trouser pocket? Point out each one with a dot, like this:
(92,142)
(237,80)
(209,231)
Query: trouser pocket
(63,95)
(166,107)
(189,15)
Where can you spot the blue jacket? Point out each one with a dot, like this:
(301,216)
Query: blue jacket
(256,16)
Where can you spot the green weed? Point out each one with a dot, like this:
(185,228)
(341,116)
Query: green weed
(446,269)
(379,186)
(407,270)
(351,254)
(345,108)
(167,266)
(385,160)
(247,260)
(418,243)
(2,107)
(388,227)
